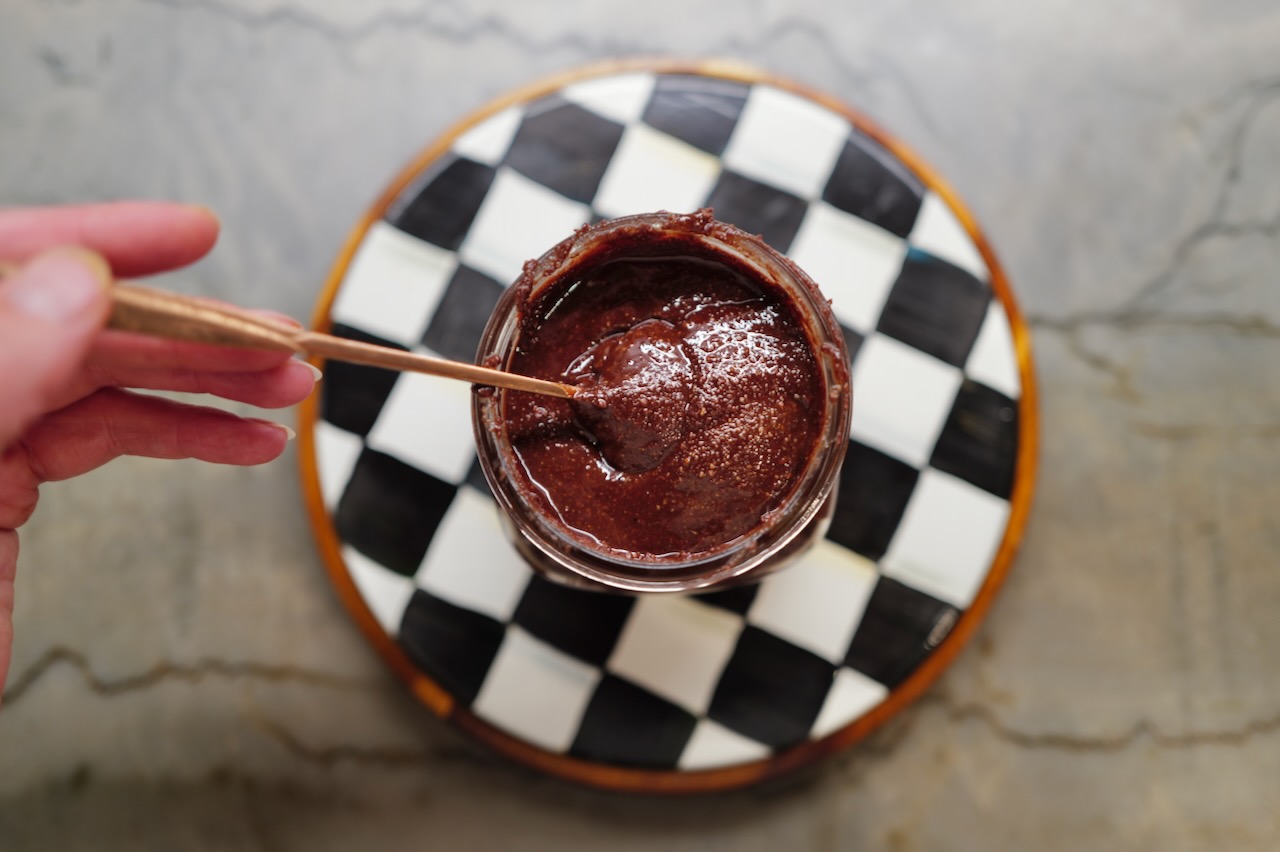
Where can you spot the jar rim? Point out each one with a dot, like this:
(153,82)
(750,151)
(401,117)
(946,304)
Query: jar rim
(639,235)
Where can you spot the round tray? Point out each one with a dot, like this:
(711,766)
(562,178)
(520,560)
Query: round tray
(666,693)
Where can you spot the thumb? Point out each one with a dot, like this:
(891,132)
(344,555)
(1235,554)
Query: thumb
(50,310)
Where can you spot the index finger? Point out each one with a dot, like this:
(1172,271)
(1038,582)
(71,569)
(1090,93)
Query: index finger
(124,349)
(136,237)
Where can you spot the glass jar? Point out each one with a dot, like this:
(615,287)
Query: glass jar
(784,532)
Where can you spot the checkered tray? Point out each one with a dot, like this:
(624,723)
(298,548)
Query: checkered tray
(664,692)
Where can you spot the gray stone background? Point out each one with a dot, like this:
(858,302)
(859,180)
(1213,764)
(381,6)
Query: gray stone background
(184,678)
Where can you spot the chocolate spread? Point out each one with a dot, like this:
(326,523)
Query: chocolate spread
(699,402)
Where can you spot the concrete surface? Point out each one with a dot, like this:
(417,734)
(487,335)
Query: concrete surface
(185,680)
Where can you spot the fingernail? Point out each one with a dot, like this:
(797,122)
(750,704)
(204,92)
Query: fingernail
(315,371)
(207,211)
(289,434)
(59,285)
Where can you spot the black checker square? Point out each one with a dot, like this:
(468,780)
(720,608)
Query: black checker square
(564,147)
(758,208)
(897,631)
(734,599)
(443,204)
(625,725)
(979,442)
(456,326)
(453,645)
(935,307)
(475,478)
(874,491)
(771,690)
(390,510)
(352,396)
(702,111)
(583,624)
(872,184)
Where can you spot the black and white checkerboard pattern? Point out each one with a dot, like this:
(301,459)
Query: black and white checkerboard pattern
(666,682)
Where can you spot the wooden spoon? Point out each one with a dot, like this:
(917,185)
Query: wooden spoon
(163,314)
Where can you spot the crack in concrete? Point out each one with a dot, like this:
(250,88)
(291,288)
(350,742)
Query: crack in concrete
(852,765)
(166,670)
(447,21)
(1177,432)
(59,69)
(1144,729)
(423,19)
(1122,378)
(386,756)
(1262,86)
(1262,94)
(1191,243)
(1244,325)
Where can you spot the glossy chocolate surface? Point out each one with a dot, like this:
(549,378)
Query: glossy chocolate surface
(700,401)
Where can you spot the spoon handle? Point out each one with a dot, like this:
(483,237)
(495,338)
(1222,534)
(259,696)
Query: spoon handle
(356,352)
(156,312)
(162,314)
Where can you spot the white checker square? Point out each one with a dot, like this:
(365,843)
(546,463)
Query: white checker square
(620,97)
(854,262)
(536,692)
(386,593)
(940,233)
(818,602)
(901,398)
(676,648)
(337,451)
(518,221)
(948,536)
(713,746)
(489,140)
(653,171)
(852,694)
(993,360)
(786,141)
(470,562)
(394,283)
(426,422)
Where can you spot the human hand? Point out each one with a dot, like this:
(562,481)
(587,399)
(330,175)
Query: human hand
(64,404)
